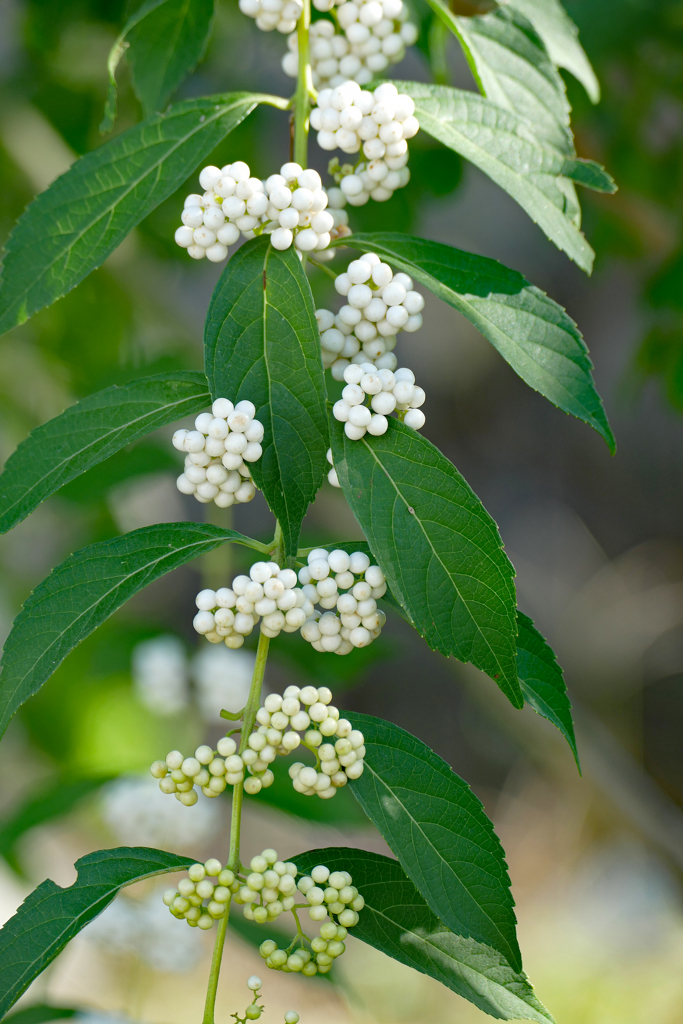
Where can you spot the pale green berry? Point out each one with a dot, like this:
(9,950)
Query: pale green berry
(291,1017)
(259,864)
(169,897)
(197,872)
(221,894)
(267,948)
(205,922)
(310,969)
(186,886)
(254,983)
(180,904)
(213,866)
(279,957)
(205,889)
(216,909)
(226,877)
(294,962)
(319,944)
(348,918)
(328,931)
(318,913)
(322,959)
(252,1012)
(337,880)
(260,915)
(335,948)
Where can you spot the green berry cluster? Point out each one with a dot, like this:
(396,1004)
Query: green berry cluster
(197,899)
(254,1010)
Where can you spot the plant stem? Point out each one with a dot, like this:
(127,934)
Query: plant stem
(438,34)
(304,89)
(210,1004)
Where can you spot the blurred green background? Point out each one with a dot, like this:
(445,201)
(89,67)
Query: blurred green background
(597,543)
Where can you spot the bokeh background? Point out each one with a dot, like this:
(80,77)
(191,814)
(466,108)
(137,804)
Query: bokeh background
(597,542)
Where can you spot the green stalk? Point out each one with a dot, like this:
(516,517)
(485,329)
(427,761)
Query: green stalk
(304,88)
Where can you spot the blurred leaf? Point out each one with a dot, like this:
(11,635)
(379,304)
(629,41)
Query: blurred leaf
(542,681)
(39,1013)
(50,801)
(512,69)
(437,828)
(145,458)
(302,659)
(502,145)
(589,174)
(90,432)
(665,288)
(51,916)
(561,37)
(262,343)
(85,214)
(437,546)
(661,355)
(342,811)
(532,332)
(165,39)
(397,921)
(85,590)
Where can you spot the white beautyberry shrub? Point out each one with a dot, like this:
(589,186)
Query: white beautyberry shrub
(387,392)
(197,899)
(289,206)
(268,595)
(373,35)
(273,14)
(339,748)
(380,304)
(207,769)
(332,475)
(220,450)
(347,588)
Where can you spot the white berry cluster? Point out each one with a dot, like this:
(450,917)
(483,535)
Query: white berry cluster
(387,391)
(349,619)
(268,594)
(379,304)
(289,206)
(373,35)
(220,448)
(273,14)
(197,899)
(348,117)
(208,769)
(338,747)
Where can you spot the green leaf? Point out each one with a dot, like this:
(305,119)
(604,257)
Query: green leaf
(39,1013)
(91,431)
(542,681)
(48,803)
(85,214)
(531,331)
(560,35)
(51,916)
(397,921)
(437,546)
(503,146)
(82,592)
(261,343)
(589,174)
(513,70)
(165,40)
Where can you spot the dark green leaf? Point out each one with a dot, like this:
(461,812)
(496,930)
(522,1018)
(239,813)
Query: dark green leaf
(531,331)
(39,1013)
(589,174)
(262,343)
(85,214)
(437,828)
(542,681)
(503,146)
(91,431)
(561,37)
(51,916)
(513,70)
(437,546)
(165,39)
(341,812)
(397,921)
(85,590)
(48,803)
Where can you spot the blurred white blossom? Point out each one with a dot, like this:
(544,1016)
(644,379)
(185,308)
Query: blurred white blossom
(139,814)
(159,668)
(222,678)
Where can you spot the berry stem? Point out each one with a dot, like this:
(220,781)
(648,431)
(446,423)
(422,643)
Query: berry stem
(304,88)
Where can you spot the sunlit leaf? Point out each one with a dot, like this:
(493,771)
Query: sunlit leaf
(561,37)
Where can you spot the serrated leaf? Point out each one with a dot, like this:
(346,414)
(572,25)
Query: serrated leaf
(91,431)
(437,546)
(261,343)
(77,222)
(561,37)
(589,174)
(51,916)
(503,146)
(437,828)
(542,681)
(397,921)
(85,590)
(164,40)
(532,332)
(513,70)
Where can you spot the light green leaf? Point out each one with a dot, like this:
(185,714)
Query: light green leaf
(51,916)
(85,590)
(503,146)
(91,431)
(542,681)
(261,343)
(589,174)
(437,828)
(531,331)
(437,546)
(85,214)
(397,921)
(165,39)
(513,70)
(561,37)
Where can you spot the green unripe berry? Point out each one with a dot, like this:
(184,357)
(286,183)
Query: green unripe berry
(324,968)
(197,872)
(267,947)
(254,982)
(205,922)
(336,907)
(180,904)
(323,959)
(331,895)
(252,1012)
(319,944)
(305,954)
(341,932)
(169,897)
(337,880)
(335,948)
(348,893)
(213,866)
(294,962)
(260,915)
(328,930)
(291,1017)
(279,957)
(310,969)
(226,877)
(358,904)
(186,887)
(348,918)
(193,914)
(216,909)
